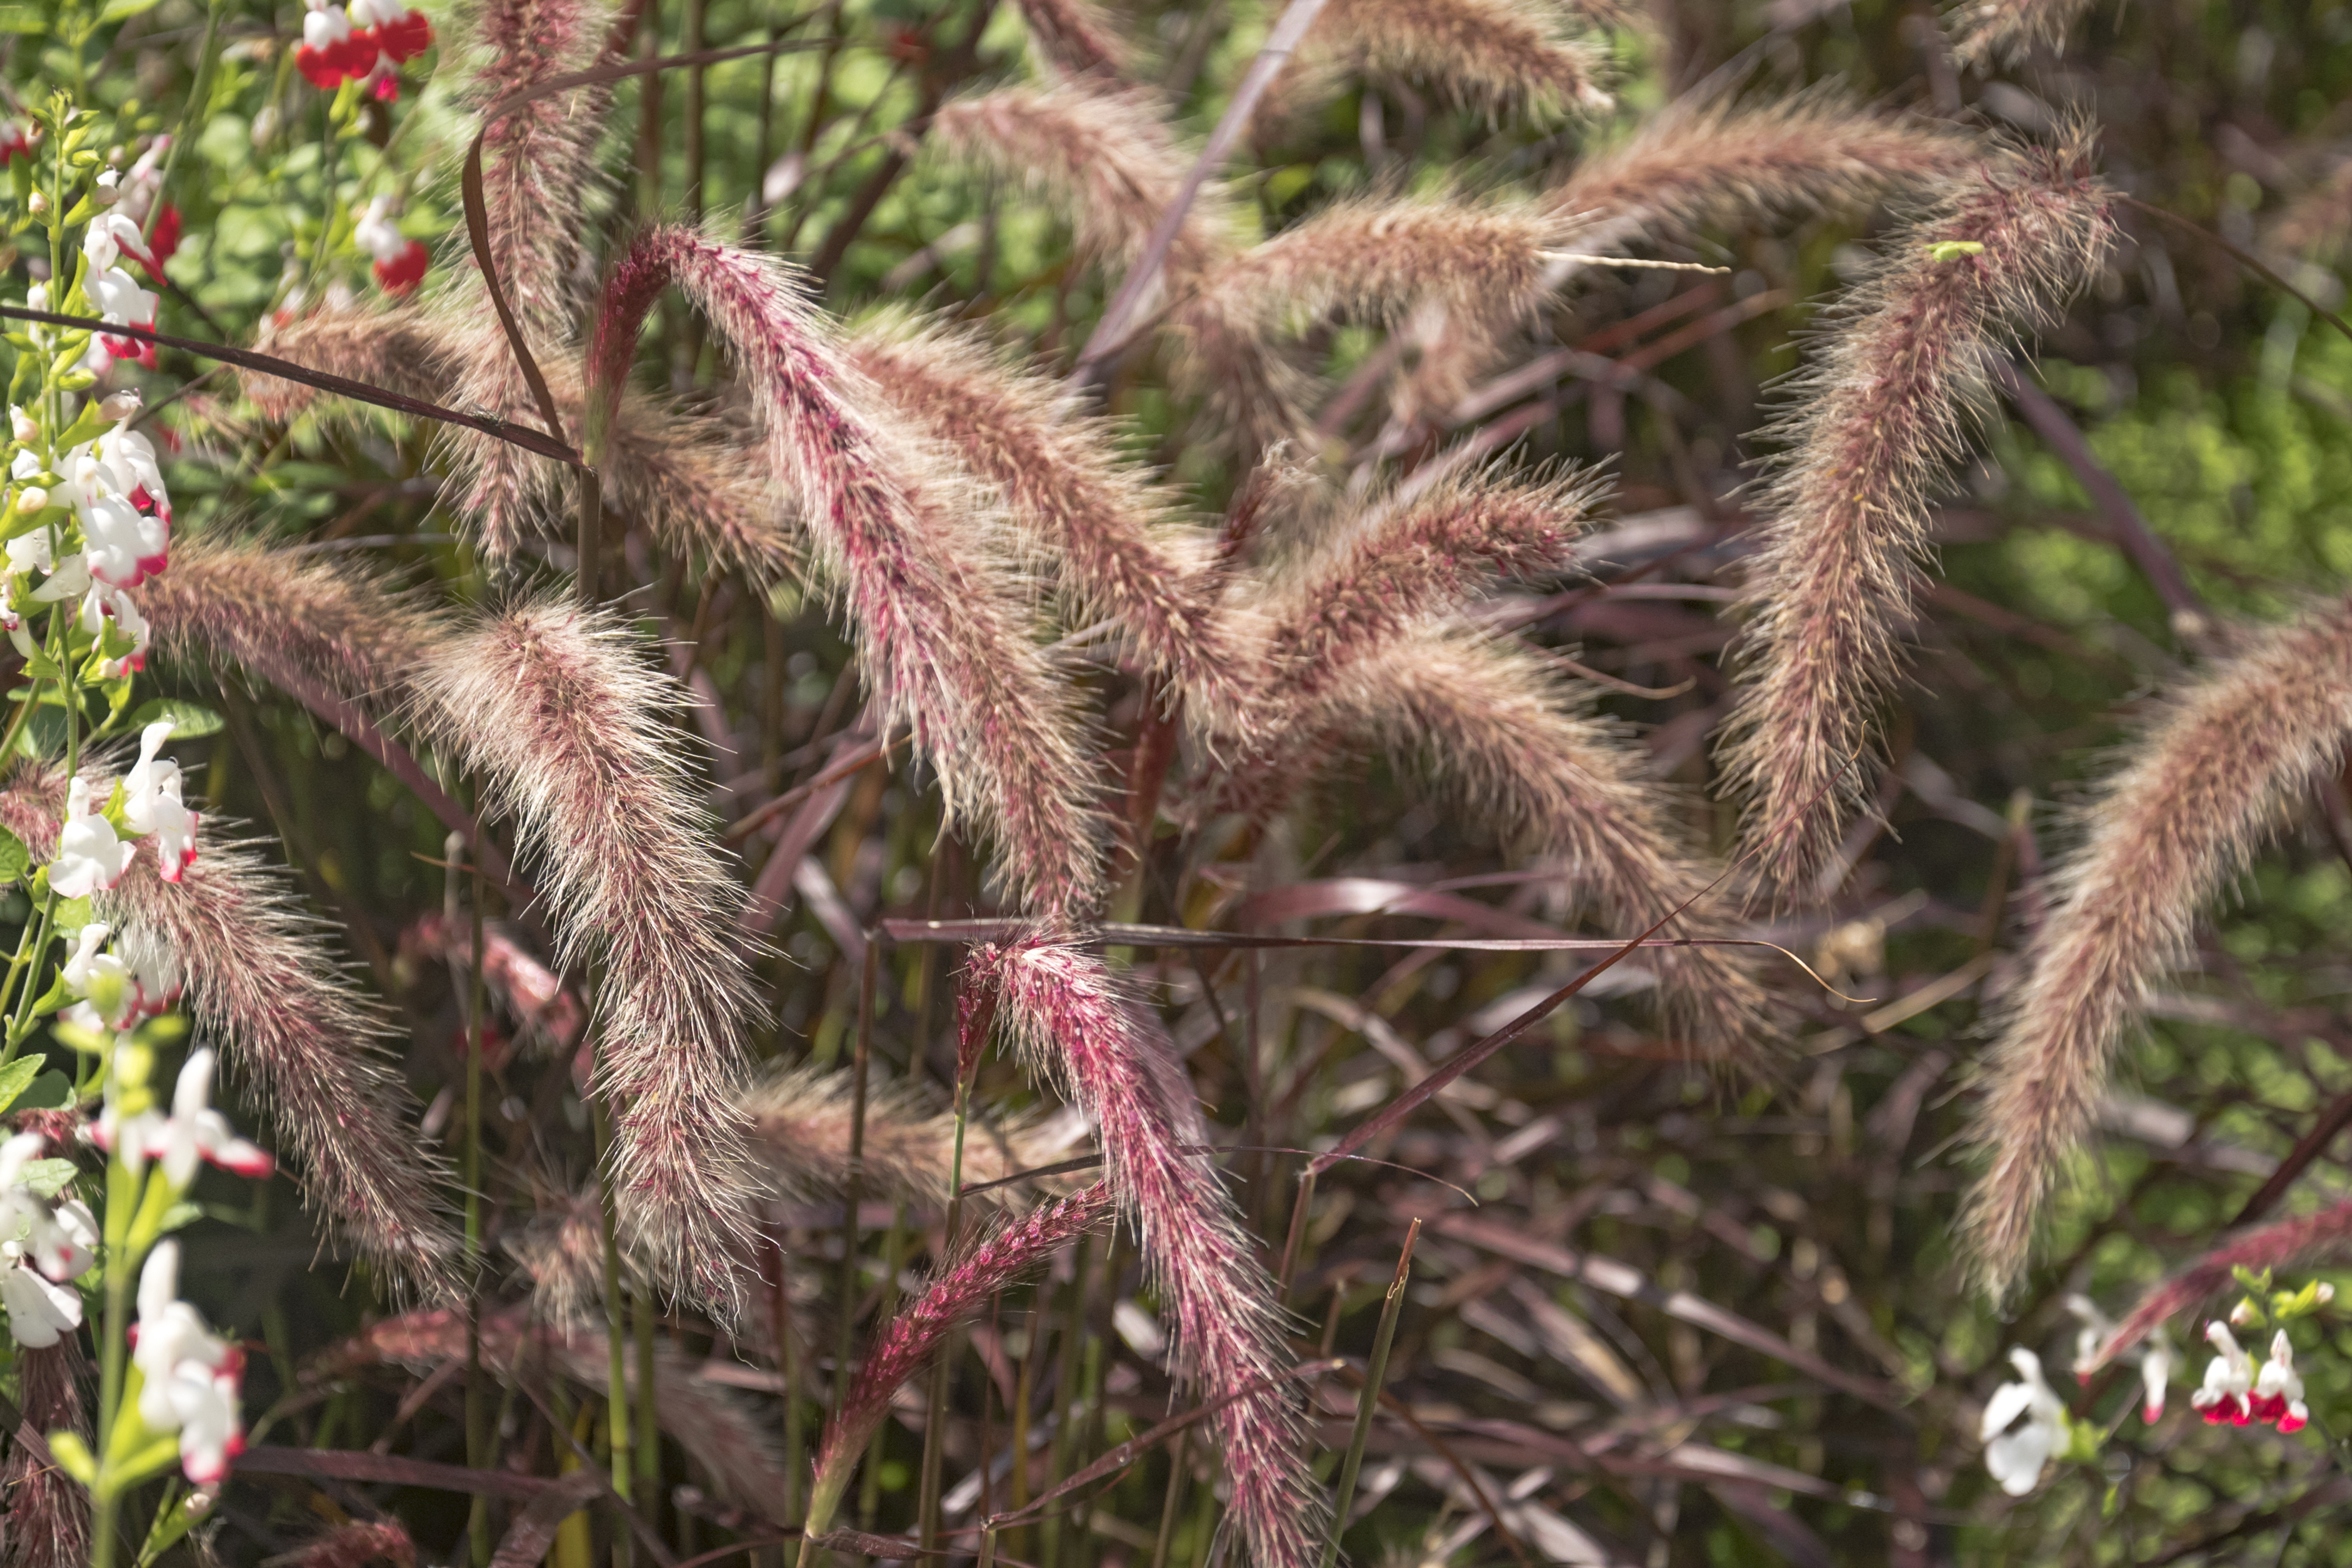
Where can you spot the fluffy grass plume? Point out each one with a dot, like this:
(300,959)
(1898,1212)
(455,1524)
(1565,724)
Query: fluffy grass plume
(956,1292)
(290,619)
(1709,161)
(1986,32)
(1377,260)
(1075,37)
(1393,568)
(538,168)
(1511,59)
(258,975)
(941,622)
(48,1520)
(355,1544)
(1106,531)
(1871,430)
(1107,162)
(1498,728)
(799,1125)
(1063,1009)
(559,713)
(2192,801)
(676,470)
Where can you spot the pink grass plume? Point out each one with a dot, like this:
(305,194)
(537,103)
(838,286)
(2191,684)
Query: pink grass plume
(2304,1239)
(1872,429)
(940,621)
(260,976)
(2228,761)
(962,1289)
(559,713)
(1065,1012)
(46,1523)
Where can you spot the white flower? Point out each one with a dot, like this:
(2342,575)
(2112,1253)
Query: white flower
(189,1377)
(2229,1380)
(2278,1392)
(326,26)
(377,13)
(2154,1375)
(120,301)
(109,237)
(376,233)
(133,625)
(69,578)
(196,1132)
(89,855)
(100,977)
(40,1311)
(2015,1457)
(152,801)
(2098,1330)
(21,426)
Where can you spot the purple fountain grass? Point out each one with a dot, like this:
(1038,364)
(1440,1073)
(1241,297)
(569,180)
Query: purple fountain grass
(557,712)
(1871,429)
(1507,57)
(1708,161)
(961,1287)
(679,472)
(723,1435)
(942,621)
(48,1521)
(560,1251)
(1076,37)
(288,618)
(1497,728)
(2229,759)
(1395,567)
(403,351)
(2297,1242)
(354,1545)
(259,974)
(1063,1009)
(800,1127)
(1378,260)
(1108,531)
(1987,31)
(538,169)
(1107,162)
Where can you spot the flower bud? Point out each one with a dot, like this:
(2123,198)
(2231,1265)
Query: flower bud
(119,406)
(2243,1312)
(22,427)
(2324,1295)
(38,204)
(33,499)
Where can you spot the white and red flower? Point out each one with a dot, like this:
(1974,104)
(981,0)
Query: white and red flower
(44,1244)
(2229,1380)
(400,262)
(2277,1398)
(91,855)
(2025,1424)
(193,1134)
(151,801)
(189,1375)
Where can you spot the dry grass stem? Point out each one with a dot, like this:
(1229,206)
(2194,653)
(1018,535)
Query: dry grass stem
(800,1133)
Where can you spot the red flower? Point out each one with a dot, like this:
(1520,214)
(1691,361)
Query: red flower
(405,38)
(320,68)
(405,271)
(14,143)
(164,241)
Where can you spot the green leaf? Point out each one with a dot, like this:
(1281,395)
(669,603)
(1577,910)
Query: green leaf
(1953,249)
(15,860)
(74,1457)
(72,915)
(189,720)
(24,19)
(181,1215)
(48,1178)
(17,1077)
(123,10)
